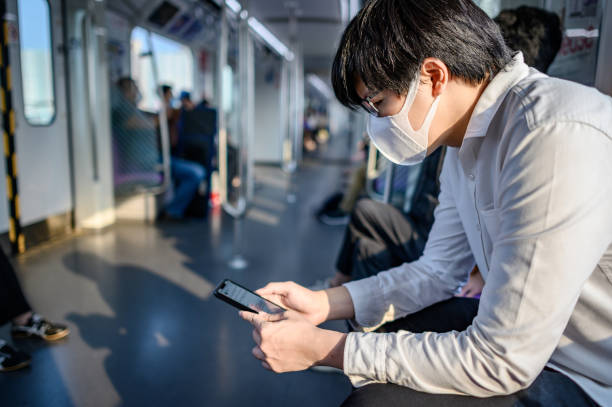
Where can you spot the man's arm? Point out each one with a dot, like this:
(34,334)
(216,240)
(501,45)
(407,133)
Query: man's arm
(554,225)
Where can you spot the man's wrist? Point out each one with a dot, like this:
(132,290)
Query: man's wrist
(330,348)
(340,304)
(324,306)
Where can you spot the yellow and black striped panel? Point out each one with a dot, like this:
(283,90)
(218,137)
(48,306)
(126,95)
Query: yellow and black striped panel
(8,122)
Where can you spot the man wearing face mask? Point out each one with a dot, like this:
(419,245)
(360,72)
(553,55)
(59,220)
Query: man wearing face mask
(525,194)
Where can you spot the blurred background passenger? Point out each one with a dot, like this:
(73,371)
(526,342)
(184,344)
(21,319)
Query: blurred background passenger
(187,175)
(186,103)
(198,129)
(336,209)
(135,140)
(26,323)
(172,114)
(533,31)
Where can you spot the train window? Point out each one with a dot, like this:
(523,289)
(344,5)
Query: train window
(36,61)
(174,62)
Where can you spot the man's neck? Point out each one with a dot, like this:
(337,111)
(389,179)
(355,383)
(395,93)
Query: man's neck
(469,95)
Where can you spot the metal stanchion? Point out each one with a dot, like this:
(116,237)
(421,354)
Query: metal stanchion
(243,188)
(238,262)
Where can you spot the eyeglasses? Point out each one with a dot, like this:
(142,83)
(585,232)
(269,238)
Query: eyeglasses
(369,106)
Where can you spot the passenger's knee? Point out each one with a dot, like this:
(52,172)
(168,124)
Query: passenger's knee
(363,207)
(366,396)
(197,172)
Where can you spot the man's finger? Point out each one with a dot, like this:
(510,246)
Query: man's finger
(274,288)
(254,319)
(276,317)
(266,365)
(257,352)
(256,337)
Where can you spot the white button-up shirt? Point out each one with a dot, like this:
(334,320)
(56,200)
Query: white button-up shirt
(528,198)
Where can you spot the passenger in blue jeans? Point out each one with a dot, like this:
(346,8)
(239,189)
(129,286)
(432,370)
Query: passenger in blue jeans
(186,175)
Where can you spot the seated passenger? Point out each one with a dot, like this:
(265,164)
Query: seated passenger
(187,175)
(378,236)
(26,323)
(135,140)
(336,209)
(524,194)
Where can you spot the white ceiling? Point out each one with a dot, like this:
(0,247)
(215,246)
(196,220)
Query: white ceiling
(319,26)
(318,29)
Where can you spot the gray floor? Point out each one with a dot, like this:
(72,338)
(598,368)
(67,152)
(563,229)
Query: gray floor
(146,330)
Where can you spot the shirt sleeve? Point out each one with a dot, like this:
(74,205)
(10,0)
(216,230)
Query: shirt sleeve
(444,266)
(554,223)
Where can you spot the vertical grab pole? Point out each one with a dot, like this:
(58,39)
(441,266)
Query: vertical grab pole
(287,145)
(389,182)
(221,97)
(237,262)
(245,134)
(246,69)
(247,86)
(163,120)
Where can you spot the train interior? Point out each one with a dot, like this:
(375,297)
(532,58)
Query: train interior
(81,209)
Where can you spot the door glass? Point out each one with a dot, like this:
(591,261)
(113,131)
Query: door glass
(36,61)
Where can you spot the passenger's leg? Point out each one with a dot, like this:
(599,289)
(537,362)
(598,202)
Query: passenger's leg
(189,175)
(454,314)
(14,307)
(389,236)
(354,190)
(13,304)
(549,389)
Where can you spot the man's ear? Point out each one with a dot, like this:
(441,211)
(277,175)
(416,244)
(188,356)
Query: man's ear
(438,74)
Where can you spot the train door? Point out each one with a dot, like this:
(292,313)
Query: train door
(39,101)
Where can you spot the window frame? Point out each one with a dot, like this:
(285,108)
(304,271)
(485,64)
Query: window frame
(53,84)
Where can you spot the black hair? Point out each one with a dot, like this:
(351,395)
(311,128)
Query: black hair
(534,31)
(165,89)
(124,82)
(386,43)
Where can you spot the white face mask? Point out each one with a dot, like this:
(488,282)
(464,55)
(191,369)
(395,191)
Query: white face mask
(395,137)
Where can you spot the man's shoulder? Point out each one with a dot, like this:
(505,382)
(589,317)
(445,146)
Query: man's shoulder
(542,100)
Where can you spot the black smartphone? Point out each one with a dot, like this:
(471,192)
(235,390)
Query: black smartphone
(245,299)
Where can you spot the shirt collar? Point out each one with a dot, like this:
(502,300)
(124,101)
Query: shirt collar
(494,94)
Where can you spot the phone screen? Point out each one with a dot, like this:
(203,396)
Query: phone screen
(247,298)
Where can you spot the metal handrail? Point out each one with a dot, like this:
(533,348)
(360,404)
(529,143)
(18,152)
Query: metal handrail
(375,167)
(239,209)
(247,87)
(389,182)
(163,123)
(221,120)
(90,91)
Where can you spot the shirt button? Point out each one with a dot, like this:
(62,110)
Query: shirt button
(478,227)
(471,177)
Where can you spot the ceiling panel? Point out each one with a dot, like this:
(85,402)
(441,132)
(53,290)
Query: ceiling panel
(319,25)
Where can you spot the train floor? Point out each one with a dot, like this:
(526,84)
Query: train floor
(146,330)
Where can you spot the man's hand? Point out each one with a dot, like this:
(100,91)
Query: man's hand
(312,305)
(289,342)
(474,285)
